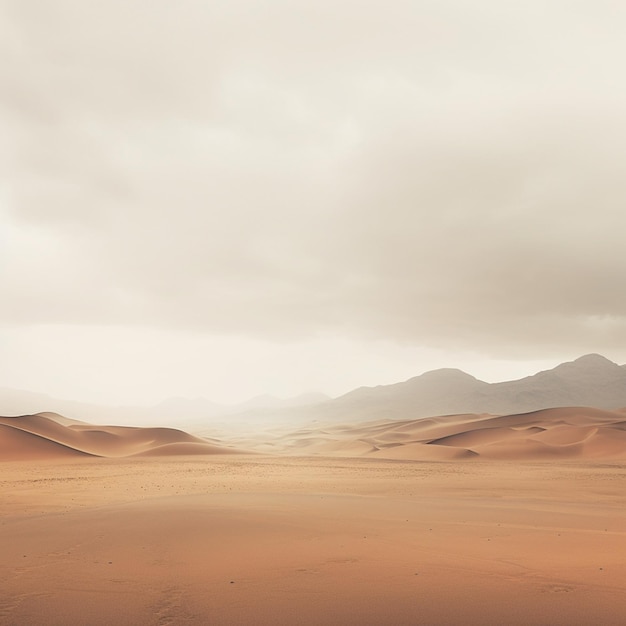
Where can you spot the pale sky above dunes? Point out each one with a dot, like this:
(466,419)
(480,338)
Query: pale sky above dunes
(234,198)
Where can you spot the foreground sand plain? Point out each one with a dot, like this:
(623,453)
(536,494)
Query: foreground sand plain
(316,540)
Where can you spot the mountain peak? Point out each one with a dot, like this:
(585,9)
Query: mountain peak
(587,368)
(593,359)
(450,373)
(446,377)
(589,362)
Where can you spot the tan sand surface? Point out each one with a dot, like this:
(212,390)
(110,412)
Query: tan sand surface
(319,540)
(558,433)
(48,435)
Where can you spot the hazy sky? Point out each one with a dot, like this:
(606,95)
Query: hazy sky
(233,197)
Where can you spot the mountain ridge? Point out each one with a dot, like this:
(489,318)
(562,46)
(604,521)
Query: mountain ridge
(590,380)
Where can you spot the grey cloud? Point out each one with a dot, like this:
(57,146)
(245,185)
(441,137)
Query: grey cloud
(448,174)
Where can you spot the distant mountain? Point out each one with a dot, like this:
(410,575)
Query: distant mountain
(200,415)
(416,397)
(15,402)
(178,408)
(20,402)
(178,411)
(591,380)
(272,402)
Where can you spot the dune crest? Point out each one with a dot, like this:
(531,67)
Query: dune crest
(559,433)
(49,436)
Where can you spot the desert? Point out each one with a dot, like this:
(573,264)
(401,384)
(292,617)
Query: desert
(458,519)
(312,313)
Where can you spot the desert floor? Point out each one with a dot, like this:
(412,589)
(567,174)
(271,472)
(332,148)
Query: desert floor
(288,540)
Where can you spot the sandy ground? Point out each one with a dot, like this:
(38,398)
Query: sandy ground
(288,540)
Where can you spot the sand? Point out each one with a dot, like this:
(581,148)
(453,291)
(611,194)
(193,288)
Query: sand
(287,540)
(52,436)
(462,519)
(577,433)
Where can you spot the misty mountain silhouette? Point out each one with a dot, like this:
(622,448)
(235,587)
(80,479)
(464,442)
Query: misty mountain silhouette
(591,380)
(190,412)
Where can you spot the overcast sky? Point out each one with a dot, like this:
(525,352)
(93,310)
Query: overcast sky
(231,197)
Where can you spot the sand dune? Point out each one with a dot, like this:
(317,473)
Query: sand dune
(48,436)
(568,432)
(17,444)
(561,433)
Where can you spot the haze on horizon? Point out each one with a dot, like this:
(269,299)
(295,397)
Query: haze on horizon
(231,198)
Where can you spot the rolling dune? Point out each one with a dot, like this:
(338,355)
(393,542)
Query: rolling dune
(49,436)
(568,432)
(560,433)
